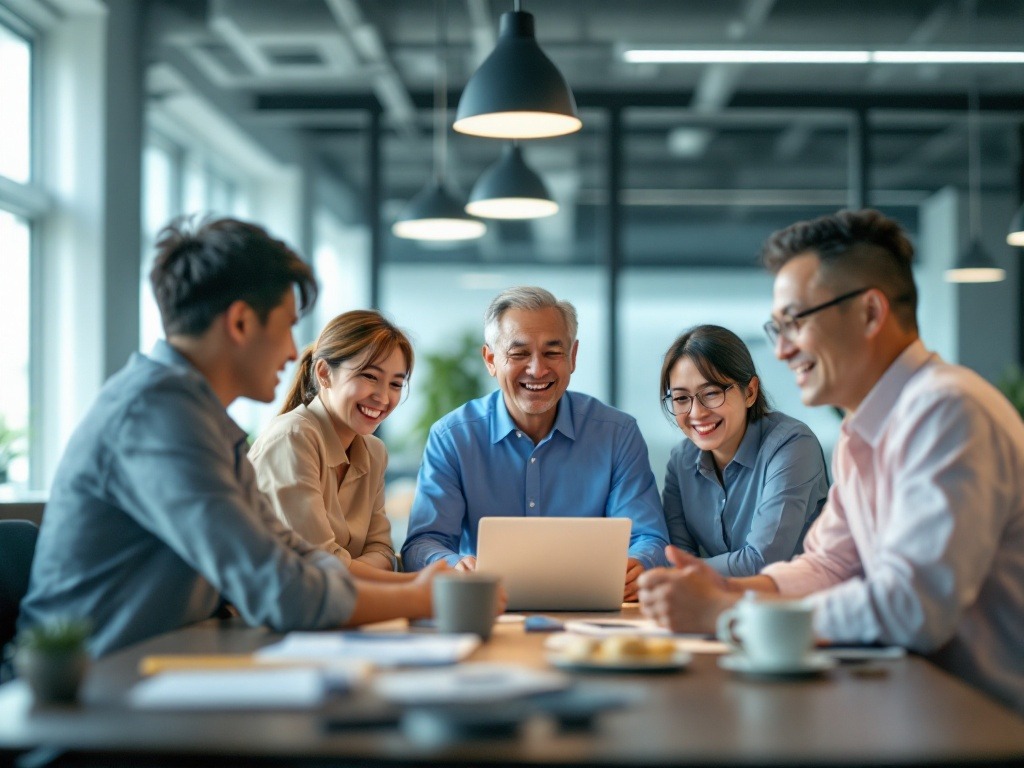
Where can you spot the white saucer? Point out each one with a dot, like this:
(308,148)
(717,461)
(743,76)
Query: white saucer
(812,664)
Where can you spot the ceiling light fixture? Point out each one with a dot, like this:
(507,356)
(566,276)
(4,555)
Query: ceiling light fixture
(435,213)
(511,189)
(793,56)
(518,92)
(974,265)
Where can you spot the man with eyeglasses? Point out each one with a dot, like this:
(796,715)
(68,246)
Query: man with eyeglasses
(921,542)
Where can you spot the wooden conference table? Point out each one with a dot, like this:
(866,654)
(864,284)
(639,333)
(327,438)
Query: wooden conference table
(903,712)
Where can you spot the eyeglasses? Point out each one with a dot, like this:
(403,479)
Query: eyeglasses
(710,397)
(789,325)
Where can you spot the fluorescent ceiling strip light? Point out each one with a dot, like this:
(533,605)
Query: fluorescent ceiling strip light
(738,56)
(745,57)
(948,57)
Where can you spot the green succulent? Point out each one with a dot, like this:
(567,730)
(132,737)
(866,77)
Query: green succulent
(56,635)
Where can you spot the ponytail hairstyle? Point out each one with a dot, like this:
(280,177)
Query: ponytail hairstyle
(348,335)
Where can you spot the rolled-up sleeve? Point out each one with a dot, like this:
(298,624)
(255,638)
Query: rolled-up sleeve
(170,472)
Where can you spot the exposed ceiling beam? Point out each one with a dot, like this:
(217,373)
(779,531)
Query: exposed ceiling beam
(920,38)
(388,86)
(1010,102)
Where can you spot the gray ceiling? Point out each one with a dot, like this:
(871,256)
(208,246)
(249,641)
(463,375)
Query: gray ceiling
(723,141)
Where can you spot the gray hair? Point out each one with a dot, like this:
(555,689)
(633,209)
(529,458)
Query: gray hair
(527,297)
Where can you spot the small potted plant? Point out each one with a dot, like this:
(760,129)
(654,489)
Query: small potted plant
(52,658)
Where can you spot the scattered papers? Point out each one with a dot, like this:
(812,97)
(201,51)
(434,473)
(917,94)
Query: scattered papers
(385,649)
(231,689)
(467,683)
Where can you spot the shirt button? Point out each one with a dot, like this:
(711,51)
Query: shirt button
(519,434)
(532,505)
(533,459)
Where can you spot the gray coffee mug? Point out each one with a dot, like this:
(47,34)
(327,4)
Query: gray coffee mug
(465,602)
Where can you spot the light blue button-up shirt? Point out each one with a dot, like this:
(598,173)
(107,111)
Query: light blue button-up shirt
(770,493)
(477,463)
(155,518)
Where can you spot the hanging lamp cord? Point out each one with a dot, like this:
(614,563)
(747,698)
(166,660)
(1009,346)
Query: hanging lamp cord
(973,136)
(440,97)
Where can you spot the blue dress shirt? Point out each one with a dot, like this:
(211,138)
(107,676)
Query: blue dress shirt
(155,518)
(771,492)
(477,463)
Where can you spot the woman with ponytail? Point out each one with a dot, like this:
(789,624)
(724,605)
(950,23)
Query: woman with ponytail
(318,460)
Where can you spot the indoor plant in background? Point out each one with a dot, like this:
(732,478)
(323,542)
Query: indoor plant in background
(10,447)
(450,378)
(1011,384)
(52,658)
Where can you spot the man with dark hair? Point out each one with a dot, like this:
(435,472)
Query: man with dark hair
(155,519)
(921,541)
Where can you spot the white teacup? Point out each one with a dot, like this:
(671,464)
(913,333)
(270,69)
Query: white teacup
(773,634)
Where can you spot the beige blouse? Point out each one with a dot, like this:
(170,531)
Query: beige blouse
(296,459)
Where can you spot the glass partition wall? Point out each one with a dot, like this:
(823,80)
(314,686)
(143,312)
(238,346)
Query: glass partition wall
(676,244)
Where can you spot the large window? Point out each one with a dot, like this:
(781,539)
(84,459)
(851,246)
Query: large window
(15,96)
(178,180)
(16,199)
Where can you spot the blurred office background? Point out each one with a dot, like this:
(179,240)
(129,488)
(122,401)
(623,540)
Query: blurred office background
(314,118)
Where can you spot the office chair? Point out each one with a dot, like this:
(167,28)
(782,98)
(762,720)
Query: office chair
(17,545)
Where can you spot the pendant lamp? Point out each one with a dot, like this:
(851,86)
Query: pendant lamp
(1016,234)
(510,189)
(518,92)
(435,213)
(974,265)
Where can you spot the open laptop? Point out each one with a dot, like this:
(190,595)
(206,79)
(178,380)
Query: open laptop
(556,563)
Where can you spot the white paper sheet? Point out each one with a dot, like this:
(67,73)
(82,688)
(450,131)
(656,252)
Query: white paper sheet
(467,683)
(383,649)
(231,689)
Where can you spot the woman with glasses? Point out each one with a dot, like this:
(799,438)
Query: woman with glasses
(318,460)
(746,485)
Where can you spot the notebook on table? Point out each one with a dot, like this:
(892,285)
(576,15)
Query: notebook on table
(556,563)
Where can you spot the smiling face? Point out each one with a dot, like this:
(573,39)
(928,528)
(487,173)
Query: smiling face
(358,396)
(268,348)
(827,353)
(718,430)
(532,360)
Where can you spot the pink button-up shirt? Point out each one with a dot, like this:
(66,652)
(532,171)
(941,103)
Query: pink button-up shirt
(921,542)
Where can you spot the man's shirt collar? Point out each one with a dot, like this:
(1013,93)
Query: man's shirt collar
(870,418)
(502,423)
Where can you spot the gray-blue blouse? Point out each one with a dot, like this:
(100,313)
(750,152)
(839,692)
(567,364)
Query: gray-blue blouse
(771,492)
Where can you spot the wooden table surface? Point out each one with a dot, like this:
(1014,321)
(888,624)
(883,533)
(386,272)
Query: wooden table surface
(903,712)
